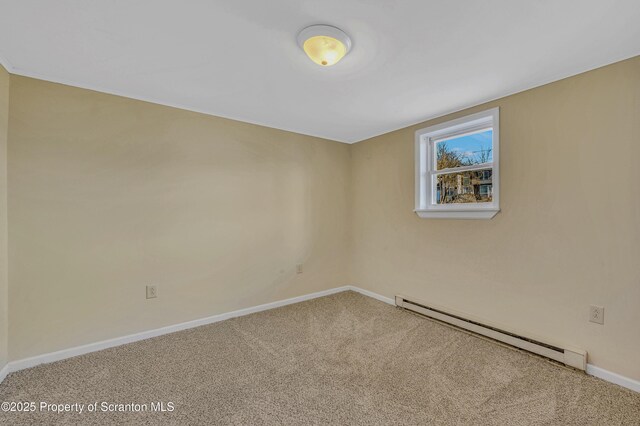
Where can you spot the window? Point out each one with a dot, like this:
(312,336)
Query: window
(457,173)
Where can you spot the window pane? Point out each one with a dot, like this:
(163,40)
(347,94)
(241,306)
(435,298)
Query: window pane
(465,187)
(465,150)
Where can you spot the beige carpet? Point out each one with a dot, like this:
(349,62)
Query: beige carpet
(341,359)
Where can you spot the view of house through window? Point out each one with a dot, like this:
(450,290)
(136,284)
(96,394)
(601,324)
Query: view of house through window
(457,168)
(463,169)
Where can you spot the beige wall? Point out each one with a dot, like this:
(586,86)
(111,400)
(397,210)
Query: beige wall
(568,234)
(4,285)
(109,194)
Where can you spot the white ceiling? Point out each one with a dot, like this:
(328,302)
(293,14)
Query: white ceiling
(411,59)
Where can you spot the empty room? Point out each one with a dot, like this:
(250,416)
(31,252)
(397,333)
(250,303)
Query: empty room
(344,212)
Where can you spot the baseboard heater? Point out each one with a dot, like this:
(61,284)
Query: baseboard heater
(575,358)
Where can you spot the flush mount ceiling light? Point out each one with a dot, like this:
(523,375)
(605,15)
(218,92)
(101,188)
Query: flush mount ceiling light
(325,45)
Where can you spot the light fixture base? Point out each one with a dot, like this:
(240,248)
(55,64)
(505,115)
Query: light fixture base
(322,44)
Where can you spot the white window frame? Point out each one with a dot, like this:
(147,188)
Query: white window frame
(426,173)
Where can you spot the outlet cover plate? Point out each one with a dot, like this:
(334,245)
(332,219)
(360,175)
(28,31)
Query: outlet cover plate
(152,292)
(596,314)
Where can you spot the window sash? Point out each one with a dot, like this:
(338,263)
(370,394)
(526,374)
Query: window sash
(426,173)
(434,189)
(461,169)
(466,131)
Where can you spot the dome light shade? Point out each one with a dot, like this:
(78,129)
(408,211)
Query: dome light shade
(325,45)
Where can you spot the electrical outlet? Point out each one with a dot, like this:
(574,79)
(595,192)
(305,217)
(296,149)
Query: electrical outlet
(299,268)
(596,314)
(152,291)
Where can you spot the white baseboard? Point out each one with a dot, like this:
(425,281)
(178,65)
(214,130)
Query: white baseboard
(21,364)
(371,294)
(608,376)
(4,372)
(601,373)
(105,344)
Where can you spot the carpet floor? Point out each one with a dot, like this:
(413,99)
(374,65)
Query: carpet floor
(342,359)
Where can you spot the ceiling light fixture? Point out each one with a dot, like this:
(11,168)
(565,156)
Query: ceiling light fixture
(325,45)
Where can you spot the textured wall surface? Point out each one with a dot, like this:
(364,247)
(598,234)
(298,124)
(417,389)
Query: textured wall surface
(109,195)
(4,284)
(568,235)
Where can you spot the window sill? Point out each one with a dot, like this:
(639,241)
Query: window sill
(457,214)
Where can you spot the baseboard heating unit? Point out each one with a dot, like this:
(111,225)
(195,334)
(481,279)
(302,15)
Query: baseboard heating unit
(575,358)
